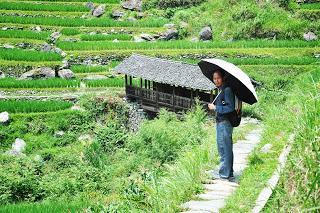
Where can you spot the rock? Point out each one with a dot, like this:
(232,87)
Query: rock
(8,46)
(94,77)
(24,45)
(115,40)
(4,28)
(132,5)
(66,73)
(46,47)
(76,107)
(206,33)
(266,148)
(17,147)
(42,72)
(71,39)
(169,34)
(38,29)
(138,39)
(169,25)
(131,19)
(65,64)
(38,158)
(90,5)
(54,36)
(85,137)
(4,118)
(2,75)
(140,15)
(99,11)
(310,36)
(60,52)
(147,37)
(59,133)
(117,14)
(194,39)
(183,24)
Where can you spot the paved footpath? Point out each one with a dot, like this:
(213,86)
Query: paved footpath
(216,191)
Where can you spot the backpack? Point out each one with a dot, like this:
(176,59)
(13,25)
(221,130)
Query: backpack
(235,116)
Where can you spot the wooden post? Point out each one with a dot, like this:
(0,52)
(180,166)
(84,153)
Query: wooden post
(145,83)
(126,79)
(157,94)
(211,96)
(173,99)
(130,80)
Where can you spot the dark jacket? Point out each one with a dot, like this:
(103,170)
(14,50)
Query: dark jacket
(224,107)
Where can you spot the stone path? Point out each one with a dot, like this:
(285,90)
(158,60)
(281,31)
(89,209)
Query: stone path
(216,191)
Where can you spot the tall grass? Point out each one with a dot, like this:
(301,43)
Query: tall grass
(93,69)
(42,7)
(79,22)
(96,1)
(26,106)
(70,31)
(183,44)
(24,34)
(39,83)
(28,55)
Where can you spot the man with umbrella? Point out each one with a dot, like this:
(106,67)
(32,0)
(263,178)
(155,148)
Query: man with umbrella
(230,81)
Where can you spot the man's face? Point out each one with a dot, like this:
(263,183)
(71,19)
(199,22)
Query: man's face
(217,79)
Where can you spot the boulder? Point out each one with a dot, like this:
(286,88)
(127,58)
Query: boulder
(17,147)
(310,36)
(42,72)
(169,34)
(4,117)
(2,75)
(140,15)
(116,14)
(46,47)
(99,10)
(54,36)
(206,33)
(147,37)
(90,5)
(66,73)
(131,19)
(8,46)
(132,5)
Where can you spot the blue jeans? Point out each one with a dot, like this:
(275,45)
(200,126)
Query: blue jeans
(224,144)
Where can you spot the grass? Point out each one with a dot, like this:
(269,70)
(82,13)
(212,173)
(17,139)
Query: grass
(28,55)
(109,82)
(24,34)
(279,123)
(27,106)
(183,44)
(102,37)
(312,6)
(95,1)
(70,31)
(39,83)
(42,7)
(79,22)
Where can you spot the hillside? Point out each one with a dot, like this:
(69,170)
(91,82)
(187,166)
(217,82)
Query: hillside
(65,102)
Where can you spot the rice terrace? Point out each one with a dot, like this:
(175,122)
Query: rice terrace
(159,106)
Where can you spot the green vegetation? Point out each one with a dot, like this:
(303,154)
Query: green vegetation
(24,34)
(26,106)
(79,22)
(102,37)
(70,31)
(182,44)
(42,7)
(28,55)
(109,82)
(39,83)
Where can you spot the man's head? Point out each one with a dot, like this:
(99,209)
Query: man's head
(218,77)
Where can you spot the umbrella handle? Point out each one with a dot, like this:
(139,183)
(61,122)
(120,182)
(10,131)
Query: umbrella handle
(216,97)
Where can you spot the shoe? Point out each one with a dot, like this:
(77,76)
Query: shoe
(232,179)
(215,175)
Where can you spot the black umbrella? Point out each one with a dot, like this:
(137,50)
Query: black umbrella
(237,79)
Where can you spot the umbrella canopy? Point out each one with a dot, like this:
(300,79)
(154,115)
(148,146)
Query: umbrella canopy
(237,79)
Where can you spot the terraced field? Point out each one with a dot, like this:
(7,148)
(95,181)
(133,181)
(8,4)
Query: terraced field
(91,46)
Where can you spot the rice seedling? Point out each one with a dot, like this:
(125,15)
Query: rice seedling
(95,1)
(28,55)
(24,34)
(102,37)
(108,82)
(42,7)
(182,44)
(313,6)
(27,106)
(39,83)
(70,31)
(78,22)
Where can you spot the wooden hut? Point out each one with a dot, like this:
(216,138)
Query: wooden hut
(156,82)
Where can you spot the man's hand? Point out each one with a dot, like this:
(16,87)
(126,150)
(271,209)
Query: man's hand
(212,106)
